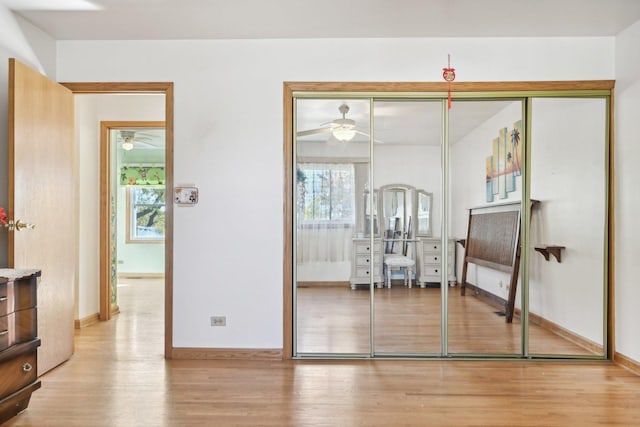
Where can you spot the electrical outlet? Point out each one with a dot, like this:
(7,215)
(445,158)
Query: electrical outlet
(501,284)
(218,320)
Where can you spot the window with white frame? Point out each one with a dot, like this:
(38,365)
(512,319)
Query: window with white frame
(145,214)
(326,193)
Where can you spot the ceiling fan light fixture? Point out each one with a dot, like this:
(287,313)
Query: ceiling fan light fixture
(344,133)
(343,129)
(127,139)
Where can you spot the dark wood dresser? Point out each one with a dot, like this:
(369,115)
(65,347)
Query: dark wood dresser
(18,340)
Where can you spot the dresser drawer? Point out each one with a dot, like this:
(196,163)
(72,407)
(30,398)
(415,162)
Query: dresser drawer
(363,261)
(431,247)
(5,307)
(4,332)
(429,259)
(24,293)
(21,326)
(17,295)
(432,270)
(362,272)
(26,325)
(18,372)
(365,247)
(362,248)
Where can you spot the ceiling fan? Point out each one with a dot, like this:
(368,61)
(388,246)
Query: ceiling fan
(129,137)
(342,129)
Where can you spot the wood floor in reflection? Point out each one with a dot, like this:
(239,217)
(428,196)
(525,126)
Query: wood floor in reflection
(408,321)
(118,377)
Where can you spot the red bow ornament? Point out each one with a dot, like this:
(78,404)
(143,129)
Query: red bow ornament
(449,74)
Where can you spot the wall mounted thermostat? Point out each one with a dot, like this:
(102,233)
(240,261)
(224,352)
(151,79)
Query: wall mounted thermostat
(185,195)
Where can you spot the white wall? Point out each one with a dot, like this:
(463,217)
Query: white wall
(627,195)
(228,142)
(90,111)
(468,190)
(568,178)
(42,45)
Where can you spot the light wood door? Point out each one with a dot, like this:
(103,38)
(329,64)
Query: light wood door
(42,192)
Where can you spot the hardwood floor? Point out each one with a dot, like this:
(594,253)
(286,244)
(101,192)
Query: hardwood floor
(118,377)
(407,321)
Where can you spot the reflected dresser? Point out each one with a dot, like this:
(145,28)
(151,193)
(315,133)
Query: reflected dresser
(430,261)
(18,340)
(366,263)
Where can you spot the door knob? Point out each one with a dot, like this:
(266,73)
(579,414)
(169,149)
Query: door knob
(19,225)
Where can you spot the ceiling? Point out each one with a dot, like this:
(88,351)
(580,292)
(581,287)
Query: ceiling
(148,144)
(143,138)
(249,19)
(260,19)
(409,122)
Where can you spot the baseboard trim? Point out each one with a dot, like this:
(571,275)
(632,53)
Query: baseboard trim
(491,299)
(322,285)
(627,363)
(87,321)
(499,303)
(140,275)
(226,354)
(115,309)
(566,334)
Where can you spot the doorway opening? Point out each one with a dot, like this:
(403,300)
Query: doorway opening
(165,89)
(134,185)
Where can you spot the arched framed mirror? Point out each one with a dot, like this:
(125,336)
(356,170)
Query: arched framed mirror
(397,210)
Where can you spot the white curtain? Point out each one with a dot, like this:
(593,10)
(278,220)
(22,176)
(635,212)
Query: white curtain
(324,243)
(326,212)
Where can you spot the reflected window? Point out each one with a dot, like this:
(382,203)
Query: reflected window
(326,193)
(145,214)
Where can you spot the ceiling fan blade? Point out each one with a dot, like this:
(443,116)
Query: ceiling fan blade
(367,135)
(146,144)
(313,131)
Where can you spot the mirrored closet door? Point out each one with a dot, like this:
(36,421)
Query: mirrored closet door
(485,196)
(336,259)
(479,230)
(407,175)
(567,269)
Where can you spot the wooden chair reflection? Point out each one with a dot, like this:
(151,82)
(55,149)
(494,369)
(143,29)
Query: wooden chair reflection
(399,260)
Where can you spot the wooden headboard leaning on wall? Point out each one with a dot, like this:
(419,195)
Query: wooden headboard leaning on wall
(493,241)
